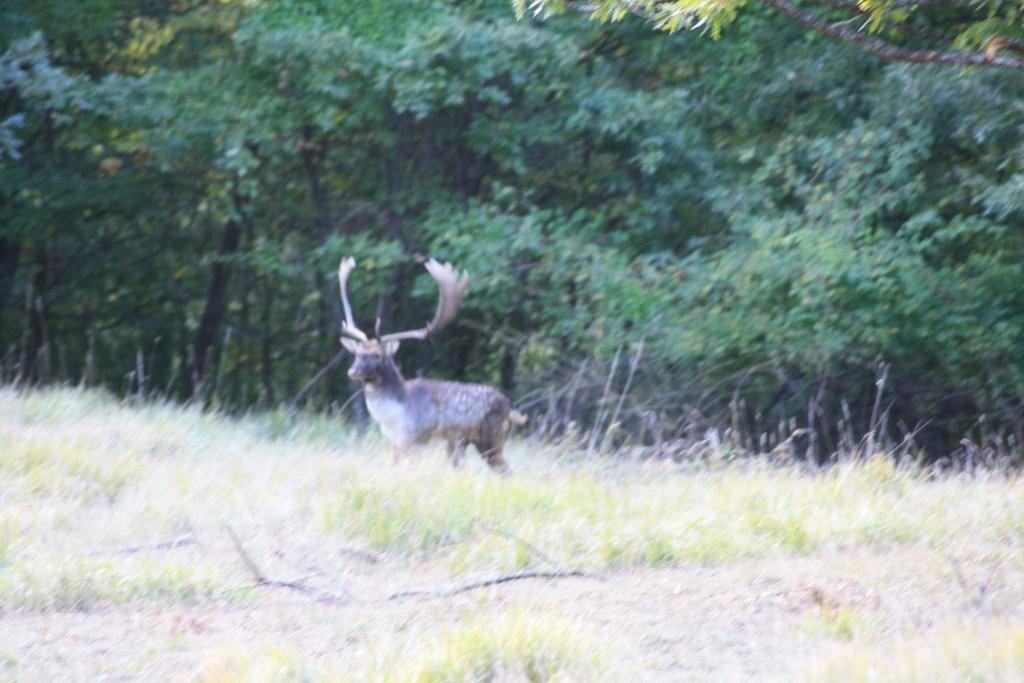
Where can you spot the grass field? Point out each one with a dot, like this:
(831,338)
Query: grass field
(117,559)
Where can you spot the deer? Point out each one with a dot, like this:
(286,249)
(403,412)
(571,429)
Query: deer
(416,411)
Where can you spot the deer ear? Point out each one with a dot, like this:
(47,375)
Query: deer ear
(391,347)
(351,345)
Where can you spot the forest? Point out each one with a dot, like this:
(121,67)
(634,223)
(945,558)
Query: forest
(768,227)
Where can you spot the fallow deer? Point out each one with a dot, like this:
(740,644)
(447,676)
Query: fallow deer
(415,411)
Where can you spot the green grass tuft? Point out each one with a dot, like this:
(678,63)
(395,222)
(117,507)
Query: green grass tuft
(839,622)
(46,464)
(47,581)
(517,646)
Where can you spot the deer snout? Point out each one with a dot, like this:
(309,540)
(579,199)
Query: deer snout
(362,373)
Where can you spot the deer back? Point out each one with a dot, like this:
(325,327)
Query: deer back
(456,406)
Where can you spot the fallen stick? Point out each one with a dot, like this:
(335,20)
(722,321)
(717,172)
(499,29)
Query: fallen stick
(559,572)
(491,581)
(262,580)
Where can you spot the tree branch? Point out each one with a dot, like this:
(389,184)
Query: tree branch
(887,50)
(853,11)
(930,3)
(883,49)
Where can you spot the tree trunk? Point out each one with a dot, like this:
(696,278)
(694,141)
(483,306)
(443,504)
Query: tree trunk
(35,325)
(10,255)
(266,352)
(216,304)
(508,369)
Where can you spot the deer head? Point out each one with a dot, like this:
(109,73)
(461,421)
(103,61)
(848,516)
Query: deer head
(374,354)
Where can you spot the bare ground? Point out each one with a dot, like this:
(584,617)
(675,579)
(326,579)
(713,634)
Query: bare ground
(762,619)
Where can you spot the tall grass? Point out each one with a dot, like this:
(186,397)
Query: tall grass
(81,472)
(662,515)
(87,483)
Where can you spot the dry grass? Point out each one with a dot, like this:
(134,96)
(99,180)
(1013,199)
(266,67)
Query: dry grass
(973,652)
(87,482)
(516,646)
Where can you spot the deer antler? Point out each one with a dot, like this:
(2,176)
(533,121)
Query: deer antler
(348,328)
(452,288)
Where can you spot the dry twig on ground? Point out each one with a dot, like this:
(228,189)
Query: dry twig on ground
(263,580)
(491,581)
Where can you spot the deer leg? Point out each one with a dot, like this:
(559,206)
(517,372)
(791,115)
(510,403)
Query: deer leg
(497,462)
(491,443)
(457,451)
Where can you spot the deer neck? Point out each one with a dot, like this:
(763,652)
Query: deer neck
(388,383)
(388,403)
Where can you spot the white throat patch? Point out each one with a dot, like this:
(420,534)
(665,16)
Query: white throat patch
(391,415)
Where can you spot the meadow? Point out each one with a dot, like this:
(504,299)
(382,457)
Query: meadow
(151,541)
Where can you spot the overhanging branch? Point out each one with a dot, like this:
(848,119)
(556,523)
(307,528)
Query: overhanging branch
(882,48)
(887,50)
